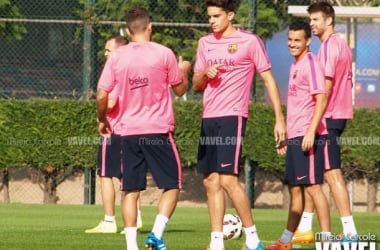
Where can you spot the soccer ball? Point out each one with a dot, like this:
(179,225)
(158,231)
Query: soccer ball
(232,227)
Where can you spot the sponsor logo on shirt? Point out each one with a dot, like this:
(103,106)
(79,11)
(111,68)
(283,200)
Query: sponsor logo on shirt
(292,91)
(138,82)
(228,64)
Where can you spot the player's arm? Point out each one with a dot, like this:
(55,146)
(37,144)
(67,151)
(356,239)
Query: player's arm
(200,79)
(101,108)
(111,104)
(181,88)
(329,85)
(331,56)
(113,98)
(319,110)
(199,82)
(274,96)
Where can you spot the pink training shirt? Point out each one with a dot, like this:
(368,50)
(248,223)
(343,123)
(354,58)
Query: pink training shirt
(305,80)
(113,114)
(336,59)
(241,53)
(143,73)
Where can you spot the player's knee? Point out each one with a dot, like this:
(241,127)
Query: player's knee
(211,183)
(334,176)
(313,189)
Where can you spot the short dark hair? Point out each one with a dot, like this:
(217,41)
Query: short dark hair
(119,39)
(226,5)
(137,19)
(301,25)
(326,8)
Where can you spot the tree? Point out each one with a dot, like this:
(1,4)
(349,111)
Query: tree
(177,24)
(11,30)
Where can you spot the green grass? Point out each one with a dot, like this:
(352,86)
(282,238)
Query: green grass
(39,227)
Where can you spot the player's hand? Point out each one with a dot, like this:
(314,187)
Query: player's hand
(308,141)
(281,148)
(185,66)
(213,71)
(104,128)
(280,133)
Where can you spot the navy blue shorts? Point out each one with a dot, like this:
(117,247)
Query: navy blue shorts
(109,157)
(220,144)
(155,152)
(305,168)
(335,128)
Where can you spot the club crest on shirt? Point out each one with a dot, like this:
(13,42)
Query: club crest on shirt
(232,48)
(295,74)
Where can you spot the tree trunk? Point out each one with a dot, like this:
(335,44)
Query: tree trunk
(5,186)
(50,188)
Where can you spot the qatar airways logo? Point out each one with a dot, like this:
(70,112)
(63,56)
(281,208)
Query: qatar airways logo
(138,82)
(228,64)
(292,91)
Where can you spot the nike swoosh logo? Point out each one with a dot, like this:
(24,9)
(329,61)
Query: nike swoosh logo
(300,177)
(208,50)
(225,165)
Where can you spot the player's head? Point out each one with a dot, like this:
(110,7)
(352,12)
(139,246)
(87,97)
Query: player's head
(220,14)
(326,9)
(226,5)
(299,38)
(322,17)
(300,25)
(114,42)
(138,21)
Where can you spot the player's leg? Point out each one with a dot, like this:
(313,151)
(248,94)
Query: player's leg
(231,131)
(321,207)
(129,213)
(334,176)
(207,165)
(108,224)
(139,222)
(295,208)
(239,198)
(216,209)
(339,191)
(134,180)
(139,215)
(315,191)
(304,232)
(108,198)
(165,165)
(294,215)
(304,169)
(296,177)
(112,169)
(108,167)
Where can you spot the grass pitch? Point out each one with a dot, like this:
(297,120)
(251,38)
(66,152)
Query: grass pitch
(61,227)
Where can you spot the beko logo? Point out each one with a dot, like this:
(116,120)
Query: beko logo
(138,82)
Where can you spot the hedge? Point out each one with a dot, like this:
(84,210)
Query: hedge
(63,134)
